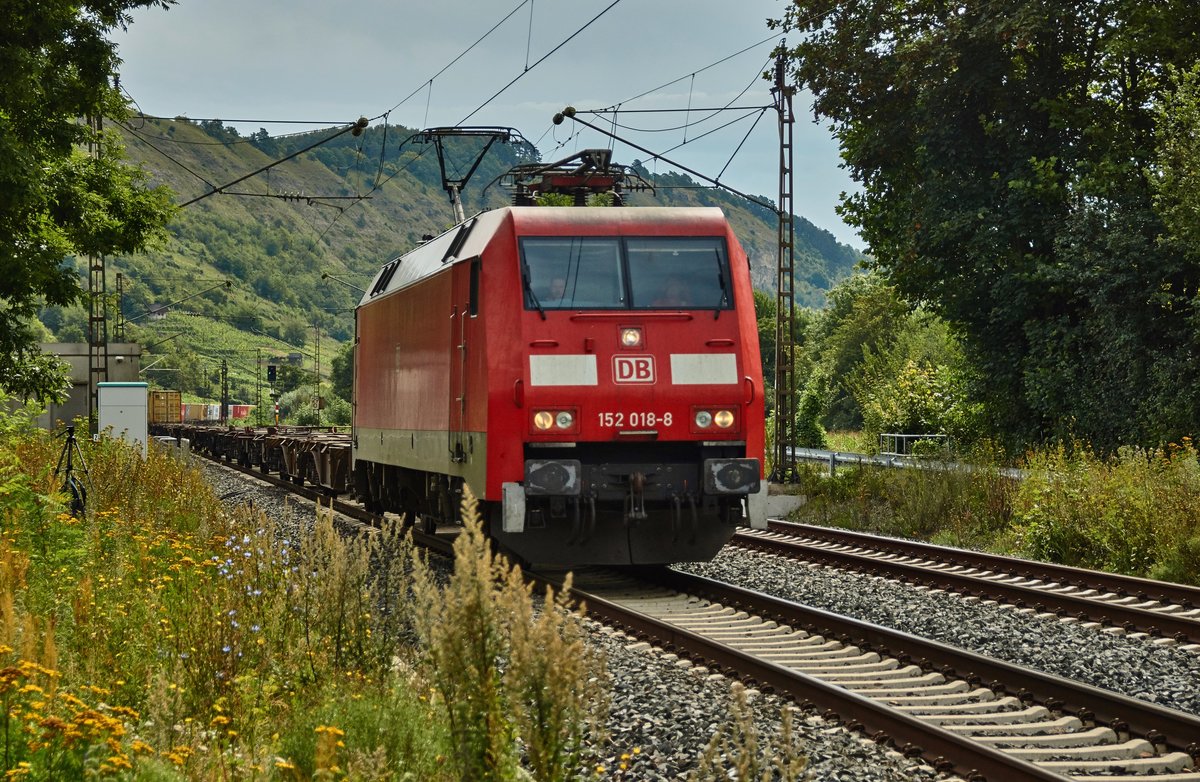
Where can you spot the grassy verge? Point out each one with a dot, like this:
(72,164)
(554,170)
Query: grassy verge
(1136,512)
(160,637)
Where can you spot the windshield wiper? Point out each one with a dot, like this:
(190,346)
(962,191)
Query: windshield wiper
(529,289)
(724,302)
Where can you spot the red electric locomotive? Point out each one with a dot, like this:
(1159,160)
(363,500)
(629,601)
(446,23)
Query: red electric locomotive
(592,373)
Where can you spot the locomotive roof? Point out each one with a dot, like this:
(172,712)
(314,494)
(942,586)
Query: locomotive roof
(470,238)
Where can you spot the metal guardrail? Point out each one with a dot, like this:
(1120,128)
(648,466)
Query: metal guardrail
(834,458)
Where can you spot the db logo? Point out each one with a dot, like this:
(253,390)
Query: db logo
(633,369)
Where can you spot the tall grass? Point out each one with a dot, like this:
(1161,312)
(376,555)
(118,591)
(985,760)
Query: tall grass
(1137,512)
(504,670)
(162,637)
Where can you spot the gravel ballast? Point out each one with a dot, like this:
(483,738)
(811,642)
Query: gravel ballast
(1131,666)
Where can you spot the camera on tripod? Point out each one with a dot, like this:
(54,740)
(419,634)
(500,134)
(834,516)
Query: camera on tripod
(73,485)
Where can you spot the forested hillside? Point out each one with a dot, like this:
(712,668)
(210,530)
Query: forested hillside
(343,208)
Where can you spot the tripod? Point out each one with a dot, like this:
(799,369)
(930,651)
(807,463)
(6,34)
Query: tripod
(72,485)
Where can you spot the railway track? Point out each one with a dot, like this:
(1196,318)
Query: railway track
(966,714)
(1134,605)
(322,497)
(969,715)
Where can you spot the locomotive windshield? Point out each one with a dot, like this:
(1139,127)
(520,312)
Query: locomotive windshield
(661,272)
(573,273)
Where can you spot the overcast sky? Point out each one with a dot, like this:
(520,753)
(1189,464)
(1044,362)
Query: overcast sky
(325,61)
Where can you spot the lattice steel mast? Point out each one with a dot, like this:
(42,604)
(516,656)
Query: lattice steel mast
(97,309)
(785,309)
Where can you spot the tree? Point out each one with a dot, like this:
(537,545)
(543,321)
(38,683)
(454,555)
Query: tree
(295,331)
(1177,159)
(1002,149)
(56,200)
(864,315)
(341,377)
(765,312)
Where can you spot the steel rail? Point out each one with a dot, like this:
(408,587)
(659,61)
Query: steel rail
(1144,588)
(1084,608)
(945,750)
(1157,724)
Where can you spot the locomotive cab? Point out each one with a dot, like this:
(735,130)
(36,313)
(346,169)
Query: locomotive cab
(593,374)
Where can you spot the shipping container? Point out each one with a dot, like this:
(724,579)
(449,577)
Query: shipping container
(165,407)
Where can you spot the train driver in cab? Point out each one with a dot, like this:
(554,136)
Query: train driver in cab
(676,293)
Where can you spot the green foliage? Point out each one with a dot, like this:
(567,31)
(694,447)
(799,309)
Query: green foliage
(808,432)
(1177,158)
(1002,151)
(765,311)
(969,507)
(1134,512)
(59,201)
(501,671)
(864,314)
(918,399)
(188,350)
(341,376)
(879,365)
(298,407)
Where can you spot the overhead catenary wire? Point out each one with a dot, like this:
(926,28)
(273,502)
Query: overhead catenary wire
(705,68)
(712,112)
(222,188)
(230,142)
(418,156)
(746,112)
(382,151)
(359,125)
(542,59)
(529,36)
(218,189)
(146,140)
(181,118)
(745,138)
(381,179)
(714,130)
(618,109)
(461,54)
(576,135)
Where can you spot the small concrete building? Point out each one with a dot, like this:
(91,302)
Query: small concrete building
(124,366)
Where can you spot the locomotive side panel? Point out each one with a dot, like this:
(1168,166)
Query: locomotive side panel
(402,377)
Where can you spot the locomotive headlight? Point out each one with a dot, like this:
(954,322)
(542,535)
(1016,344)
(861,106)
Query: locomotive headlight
(723,419)
(704,419)
(564,420)
(631,337)
(543,419)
